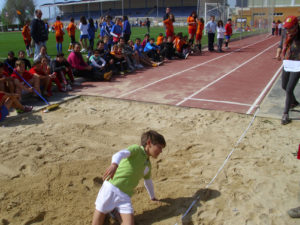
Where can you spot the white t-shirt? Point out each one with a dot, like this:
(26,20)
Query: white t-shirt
(83,29)
(220,31)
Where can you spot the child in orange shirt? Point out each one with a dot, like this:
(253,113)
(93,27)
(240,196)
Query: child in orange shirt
(159,40)
(178,45)
(59,34)
(27,38)
(169,25)
(199,33)
(71,31)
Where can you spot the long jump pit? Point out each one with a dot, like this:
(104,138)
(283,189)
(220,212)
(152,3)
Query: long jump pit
(51,164)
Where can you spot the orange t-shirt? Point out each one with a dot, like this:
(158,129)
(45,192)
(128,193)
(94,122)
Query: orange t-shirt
(169,26)
(58,27)
(200,27)
(191,19)
(71,29)
(178,44)
(159,40)
(26,33)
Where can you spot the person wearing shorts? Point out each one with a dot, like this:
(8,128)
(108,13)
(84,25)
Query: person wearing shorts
(123,175)
(84,35)
(59,34)
(192,26)
(228,32)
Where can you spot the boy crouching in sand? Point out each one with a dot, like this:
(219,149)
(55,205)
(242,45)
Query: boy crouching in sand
(123,175)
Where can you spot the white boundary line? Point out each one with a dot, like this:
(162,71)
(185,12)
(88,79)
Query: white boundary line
(191,68)
(225,75)
(265,90)
(224,163)
(217,101)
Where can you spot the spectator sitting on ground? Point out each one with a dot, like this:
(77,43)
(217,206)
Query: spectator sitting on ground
(152,50)
(60,68)
(99,64)
(166,48)
(21,56)
(146,40)
(105,54)
(159,39)
(135,54)
(80,67)
(37,70)
(6,82)
(20,85)
(144,59)
(119,59)
(8,101)
(129,55)
(43,53)
(11,61)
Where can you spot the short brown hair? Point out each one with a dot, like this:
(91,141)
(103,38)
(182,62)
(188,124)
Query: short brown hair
(154,137)
(19,63)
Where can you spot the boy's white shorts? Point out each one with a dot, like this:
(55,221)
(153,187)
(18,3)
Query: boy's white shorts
(111,197)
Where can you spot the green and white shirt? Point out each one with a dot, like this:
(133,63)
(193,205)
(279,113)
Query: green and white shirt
(134,164)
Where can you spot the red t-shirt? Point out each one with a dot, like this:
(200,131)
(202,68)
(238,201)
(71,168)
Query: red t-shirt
(4,74)
(26,75)
(33,70)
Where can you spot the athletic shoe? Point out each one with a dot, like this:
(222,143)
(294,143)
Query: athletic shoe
(186,55)
(122,72)
(159,63)
(107,75)
(154,65)
(294,213)
(28,108)
(140,66)
(285,119)
(69,88)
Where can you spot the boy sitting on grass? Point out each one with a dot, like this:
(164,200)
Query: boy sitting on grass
(123,175)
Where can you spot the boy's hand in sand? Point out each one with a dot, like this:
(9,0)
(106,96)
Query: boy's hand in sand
(110,171)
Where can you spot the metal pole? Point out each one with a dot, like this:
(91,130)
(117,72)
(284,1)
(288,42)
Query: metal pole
(156,8)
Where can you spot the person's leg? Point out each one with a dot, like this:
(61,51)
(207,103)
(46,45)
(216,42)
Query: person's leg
(35,81)
(127,219)
(60,47)
(291,84)
(37,48)
(57,47)
(98,218)
(213,40)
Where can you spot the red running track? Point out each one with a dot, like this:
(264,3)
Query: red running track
(236,80)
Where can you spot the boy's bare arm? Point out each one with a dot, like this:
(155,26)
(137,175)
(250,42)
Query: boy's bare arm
(110,171)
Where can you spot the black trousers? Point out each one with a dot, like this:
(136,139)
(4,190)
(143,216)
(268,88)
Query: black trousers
(211,39)
(289,82)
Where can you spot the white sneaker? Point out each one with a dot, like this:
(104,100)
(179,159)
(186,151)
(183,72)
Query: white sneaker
(186,55)
(82,50)
(140,66)
(69,88)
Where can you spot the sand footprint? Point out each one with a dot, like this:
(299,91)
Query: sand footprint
(39,218)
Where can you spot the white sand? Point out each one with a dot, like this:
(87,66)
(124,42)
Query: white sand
(51,164)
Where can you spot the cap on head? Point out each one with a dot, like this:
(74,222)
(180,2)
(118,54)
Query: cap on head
(290,22)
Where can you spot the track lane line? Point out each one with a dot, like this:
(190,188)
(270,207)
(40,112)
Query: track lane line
(191,68)
(225,75)
(258,99)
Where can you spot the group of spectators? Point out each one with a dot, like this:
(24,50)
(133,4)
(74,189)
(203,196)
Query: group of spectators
(114,54)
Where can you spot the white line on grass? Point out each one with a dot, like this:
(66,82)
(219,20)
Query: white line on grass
(225,75)
(264,91)
(191,68)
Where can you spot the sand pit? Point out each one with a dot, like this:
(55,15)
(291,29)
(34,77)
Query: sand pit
(51,164)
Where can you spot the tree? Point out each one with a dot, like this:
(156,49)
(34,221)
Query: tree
(17,9)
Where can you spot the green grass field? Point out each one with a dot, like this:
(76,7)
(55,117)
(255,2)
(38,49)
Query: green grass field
(13,41)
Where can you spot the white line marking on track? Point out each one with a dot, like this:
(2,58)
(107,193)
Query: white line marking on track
(217,101)
(225,75)
(193,67)
(264,91)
